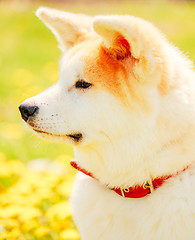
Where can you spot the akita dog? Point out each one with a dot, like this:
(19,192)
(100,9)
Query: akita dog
(125,100)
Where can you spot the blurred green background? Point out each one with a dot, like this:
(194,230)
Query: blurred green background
(29,60)
(28,64)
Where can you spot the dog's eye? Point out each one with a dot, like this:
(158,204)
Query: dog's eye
(82,84)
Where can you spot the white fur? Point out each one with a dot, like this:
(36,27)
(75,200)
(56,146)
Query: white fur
(124,146)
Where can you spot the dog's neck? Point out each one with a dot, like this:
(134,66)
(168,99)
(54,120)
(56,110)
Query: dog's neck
(124,164)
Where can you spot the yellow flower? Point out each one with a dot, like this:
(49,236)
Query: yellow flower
(14,198)
(39,179)
(52,179)
(10,211)
(69,234)
(65,188)
(11,235)
(59,211)
(11,167)
(29,213)
(21,188)
(8,224)
(42,231)
(24,213)
(29,225)
(44,193)
(4,170)
(16,167)
(22,210)
(59,216)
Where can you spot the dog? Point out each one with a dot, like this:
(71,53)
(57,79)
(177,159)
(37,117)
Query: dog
(125,101)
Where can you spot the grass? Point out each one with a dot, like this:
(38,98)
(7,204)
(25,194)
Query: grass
(28,64)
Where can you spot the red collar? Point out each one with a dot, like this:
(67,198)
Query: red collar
(132,192)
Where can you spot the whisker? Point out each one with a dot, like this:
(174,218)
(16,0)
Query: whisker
(35,146)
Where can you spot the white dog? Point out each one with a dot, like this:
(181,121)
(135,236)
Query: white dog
(126,101)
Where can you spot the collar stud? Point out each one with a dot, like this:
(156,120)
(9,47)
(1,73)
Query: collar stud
(149,185)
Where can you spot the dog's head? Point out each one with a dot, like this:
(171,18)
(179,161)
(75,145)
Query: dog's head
(110,71)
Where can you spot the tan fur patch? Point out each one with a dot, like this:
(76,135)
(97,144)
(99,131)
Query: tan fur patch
(115,74)
(163,87)
(120,49)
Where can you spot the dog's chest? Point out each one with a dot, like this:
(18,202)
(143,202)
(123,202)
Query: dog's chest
(100,214)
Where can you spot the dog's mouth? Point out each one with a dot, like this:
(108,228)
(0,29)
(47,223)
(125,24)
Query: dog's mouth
(75,137)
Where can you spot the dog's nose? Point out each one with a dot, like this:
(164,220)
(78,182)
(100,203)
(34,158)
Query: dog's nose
(27,111)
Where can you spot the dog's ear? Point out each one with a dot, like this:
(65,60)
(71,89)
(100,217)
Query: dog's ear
(67,27)
(128,36)
(123,35)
